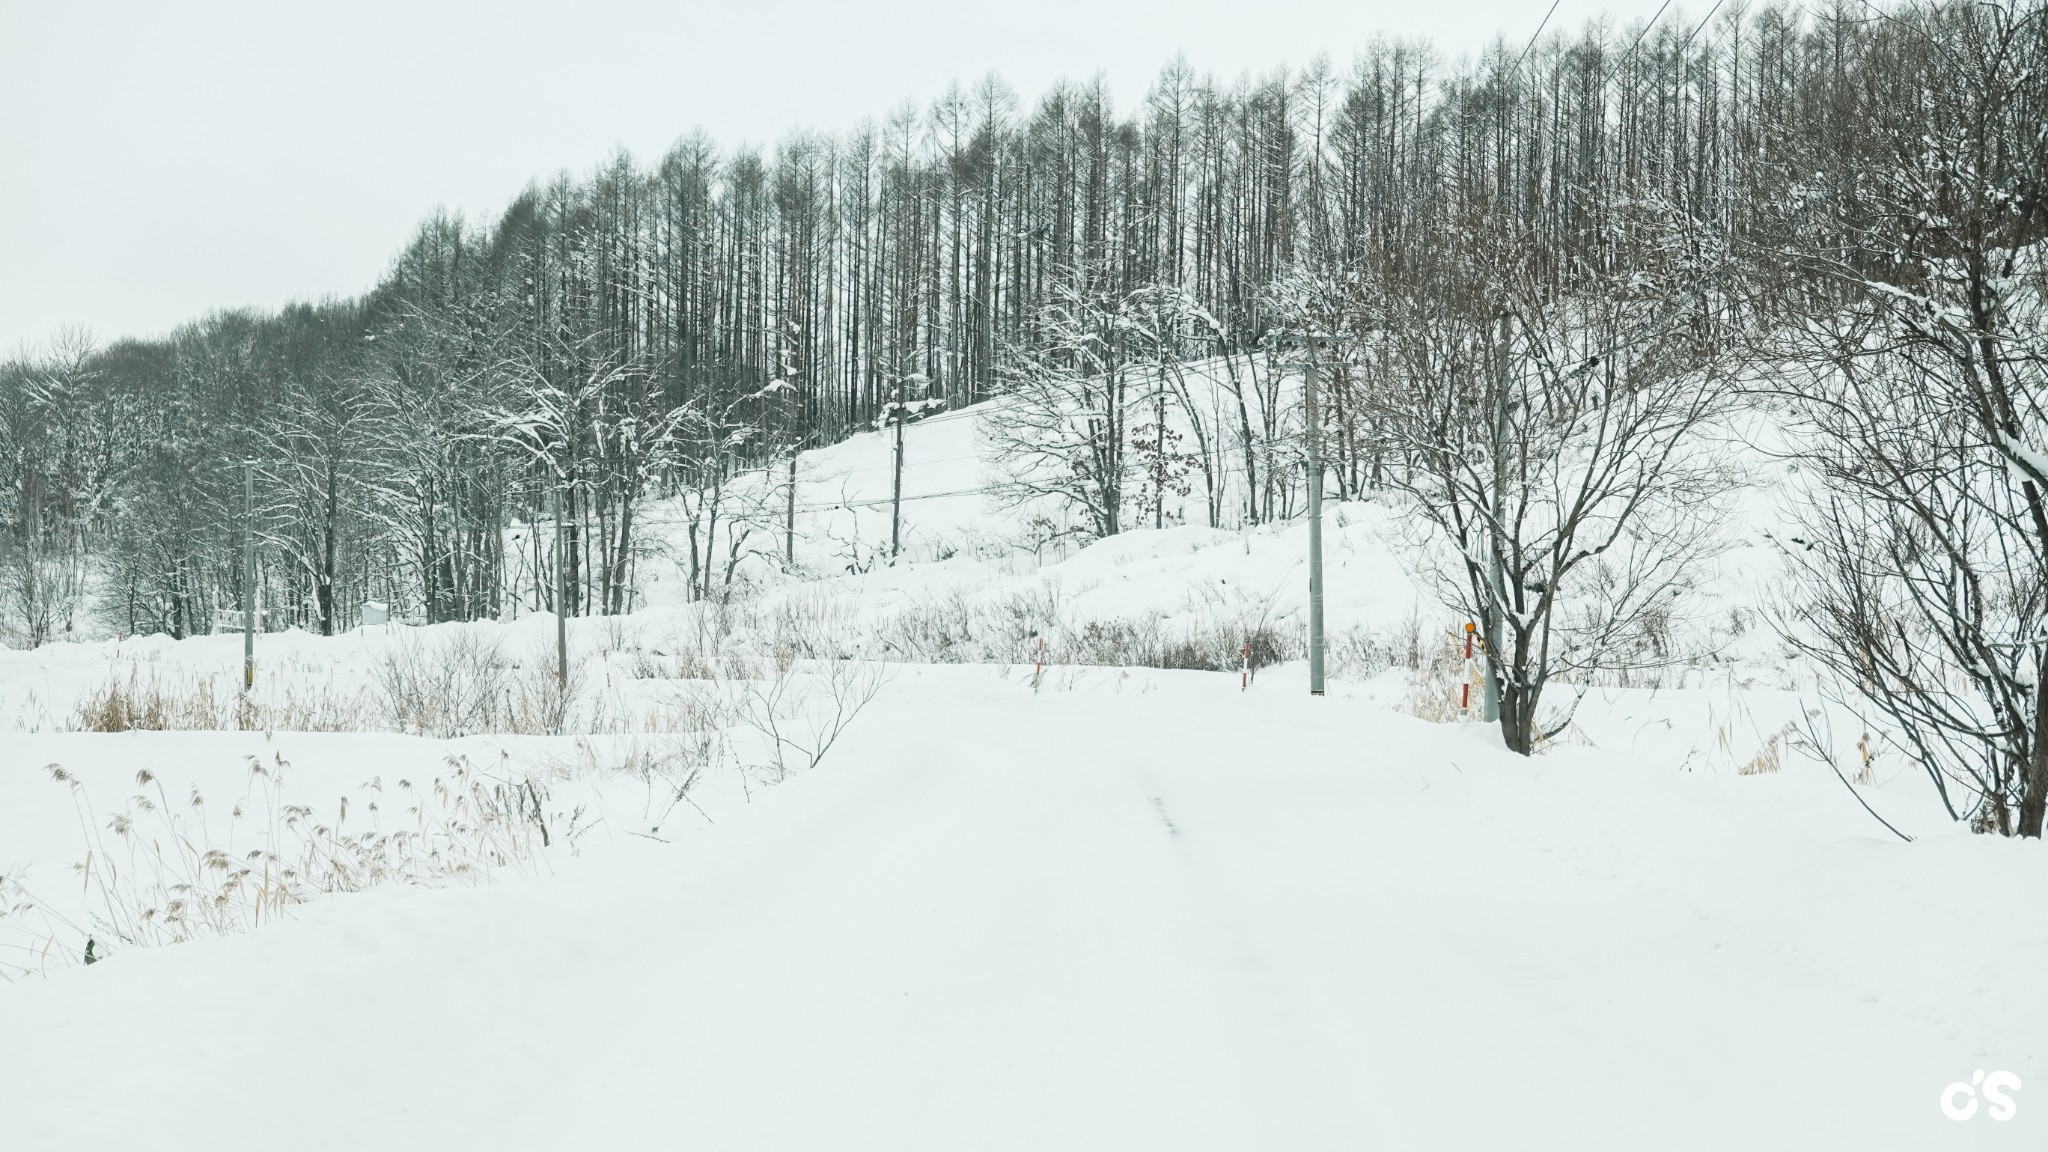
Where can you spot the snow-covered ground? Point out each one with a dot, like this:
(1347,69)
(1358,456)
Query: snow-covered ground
(1115,908)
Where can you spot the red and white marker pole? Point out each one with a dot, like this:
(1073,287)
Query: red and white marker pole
(1465,689)
(1244,675)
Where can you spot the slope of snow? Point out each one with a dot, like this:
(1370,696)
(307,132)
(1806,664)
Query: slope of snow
(1122,908)
(1130,910)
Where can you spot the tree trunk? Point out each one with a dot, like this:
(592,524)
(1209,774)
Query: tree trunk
(617,572)
(323,592)
(1517,716)
(2034,789)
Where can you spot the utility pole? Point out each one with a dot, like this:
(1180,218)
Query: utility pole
(896,491)
(561,593)
(789,524)
(248,575)
(1312,410)
(1495,577)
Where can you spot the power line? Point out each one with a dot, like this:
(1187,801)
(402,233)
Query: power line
(1646,28)
(1538,32)
(1700,25)
(838,472)
(1223,472)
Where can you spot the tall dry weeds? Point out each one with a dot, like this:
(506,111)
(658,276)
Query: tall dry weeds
(160,870)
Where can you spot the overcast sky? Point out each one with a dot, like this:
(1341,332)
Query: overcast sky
(160,159)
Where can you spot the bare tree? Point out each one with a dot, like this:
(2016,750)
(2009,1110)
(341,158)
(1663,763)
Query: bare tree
(933,246)
(1547,428)
(319,442)
(1923,565)
(435,493)
(1065,424)
(60,459)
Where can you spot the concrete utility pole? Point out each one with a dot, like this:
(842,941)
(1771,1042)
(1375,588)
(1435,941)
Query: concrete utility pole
(1312,409)
(248,575)
(789,524)
(561,594)
(1495,576)
(896,491)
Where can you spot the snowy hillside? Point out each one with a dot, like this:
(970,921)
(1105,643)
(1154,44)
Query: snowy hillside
(1102,904)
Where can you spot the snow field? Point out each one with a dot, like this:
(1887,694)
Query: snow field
(1121,907)
(1139,910)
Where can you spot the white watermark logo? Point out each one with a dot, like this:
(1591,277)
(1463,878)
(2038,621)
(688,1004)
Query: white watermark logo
(1959,1100)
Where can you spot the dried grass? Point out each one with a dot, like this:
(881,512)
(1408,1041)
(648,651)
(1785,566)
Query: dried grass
(1209,633)
(155,703)
(159,871)
(1770,758)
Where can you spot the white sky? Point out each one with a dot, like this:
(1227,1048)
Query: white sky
(160,159)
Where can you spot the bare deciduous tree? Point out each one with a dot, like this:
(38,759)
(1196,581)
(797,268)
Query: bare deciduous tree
(1546,431)
(1924,561)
